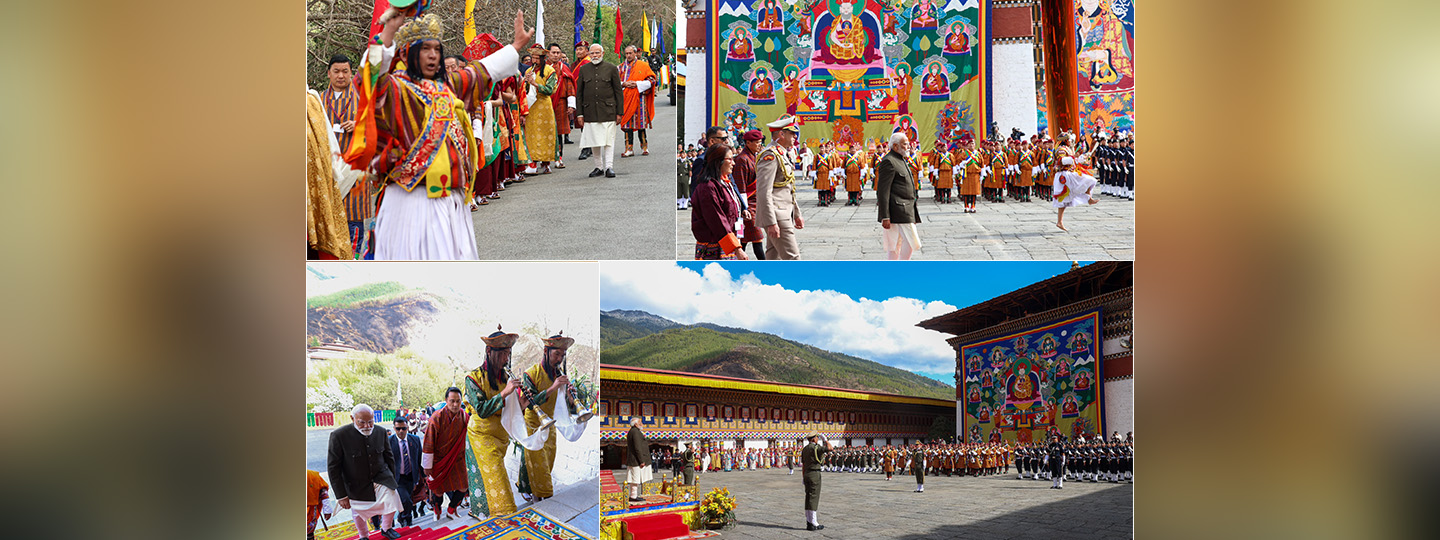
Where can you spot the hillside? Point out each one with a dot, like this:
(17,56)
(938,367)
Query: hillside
(744,354)
(376,317)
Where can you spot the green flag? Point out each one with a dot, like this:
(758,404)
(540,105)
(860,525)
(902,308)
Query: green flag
(597,23)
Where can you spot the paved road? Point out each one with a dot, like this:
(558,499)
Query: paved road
(854,505)
(1013,230)
(569,216)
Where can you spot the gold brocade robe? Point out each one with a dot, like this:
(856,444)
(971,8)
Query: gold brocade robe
(487,440)
(539,463)
(325,224)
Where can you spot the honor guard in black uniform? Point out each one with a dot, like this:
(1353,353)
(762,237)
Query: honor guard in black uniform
(1056,459)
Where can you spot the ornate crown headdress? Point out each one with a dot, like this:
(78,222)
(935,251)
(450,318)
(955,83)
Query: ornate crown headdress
(420,29)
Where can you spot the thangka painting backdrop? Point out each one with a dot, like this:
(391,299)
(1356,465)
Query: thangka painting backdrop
(1105,35)
(850,70)
(1020,386)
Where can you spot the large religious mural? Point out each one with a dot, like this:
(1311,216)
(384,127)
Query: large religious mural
(1105,39)
(1021,386)
(850,70)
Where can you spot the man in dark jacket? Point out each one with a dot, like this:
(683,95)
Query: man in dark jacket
(405,446)
(895,188)
(601,100)
(359,463)
(637,460)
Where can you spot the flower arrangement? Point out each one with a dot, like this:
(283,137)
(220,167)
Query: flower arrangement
(718,506)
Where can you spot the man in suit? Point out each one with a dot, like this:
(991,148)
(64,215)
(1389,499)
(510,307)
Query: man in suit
(812,458)
(405,446)
(637,460)
(896,190)
(775,209)
(359,463)
(601,98)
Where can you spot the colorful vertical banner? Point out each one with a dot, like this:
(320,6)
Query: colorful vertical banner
(851,72)
(645,33)
(1018,386)
(579,16)
(619,33)
(1105,31)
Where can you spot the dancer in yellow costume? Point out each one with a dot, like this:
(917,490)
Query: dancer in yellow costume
(540,121)
(547,383)
(485,391)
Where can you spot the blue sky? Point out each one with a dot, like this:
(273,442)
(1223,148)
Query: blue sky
(863,308)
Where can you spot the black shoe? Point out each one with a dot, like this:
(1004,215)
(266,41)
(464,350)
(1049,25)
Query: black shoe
(595,173)
(584,153)
(392,534)
(609,173)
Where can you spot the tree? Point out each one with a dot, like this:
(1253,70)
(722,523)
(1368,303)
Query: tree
(941,428)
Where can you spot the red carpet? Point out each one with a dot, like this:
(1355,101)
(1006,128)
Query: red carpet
(607,482)
(656,527)
(414,533)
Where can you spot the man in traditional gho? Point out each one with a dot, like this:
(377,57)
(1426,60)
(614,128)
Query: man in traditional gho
(942,162)
(414,119)
(563,102)
(486,388)
(639,101)
(600,95)
(340,101)
(442,454)
(546,383)
(540,136)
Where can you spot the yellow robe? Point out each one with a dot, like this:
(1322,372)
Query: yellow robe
(540,122)
(487,443)
(539,463)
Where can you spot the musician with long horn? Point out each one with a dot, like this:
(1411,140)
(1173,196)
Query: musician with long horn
(486,390)
(542,383)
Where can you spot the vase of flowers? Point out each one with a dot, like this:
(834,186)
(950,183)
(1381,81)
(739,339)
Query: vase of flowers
(718,507)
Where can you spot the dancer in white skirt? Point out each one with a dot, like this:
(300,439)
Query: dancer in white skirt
(1072,188)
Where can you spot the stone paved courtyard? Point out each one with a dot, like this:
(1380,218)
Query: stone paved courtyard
(1012,230)
(866,506)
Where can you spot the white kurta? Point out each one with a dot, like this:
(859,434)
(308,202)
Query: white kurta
(598,134)
(413,227)
(387,501)
(1071,189)
(900,232)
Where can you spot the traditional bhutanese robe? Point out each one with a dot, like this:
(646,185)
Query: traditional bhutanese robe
(639,105)
(359,201)
(1027,161)
(325,221)
(822,173)
(971,179)
(490,493)
(997,171)
(853,164)
(916,162)
(540,122)
(1045,157)
(445,434)
(425,133)
(560,98)
(944,163)
(538,463)
(519,151)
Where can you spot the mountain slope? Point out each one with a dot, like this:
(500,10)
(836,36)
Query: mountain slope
(752,355)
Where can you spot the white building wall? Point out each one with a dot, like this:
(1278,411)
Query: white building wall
(756,443)
(1013,87)
(695,85)
(1119,407)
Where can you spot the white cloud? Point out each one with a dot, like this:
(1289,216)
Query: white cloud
(880,330)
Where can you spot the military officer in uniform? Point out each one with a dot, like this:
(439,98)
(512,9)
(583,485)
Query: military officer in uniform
(775,209)
(1056,460)
(917,466)
(687,465)
(812,457)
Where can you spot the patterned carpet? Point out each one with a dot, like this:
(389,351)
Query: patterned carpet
(528,524)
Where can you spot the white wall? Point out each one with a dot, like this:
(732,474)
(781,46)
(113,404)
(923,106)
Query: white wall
(1013,87)
(1119,407)
(695,85)
(753,443)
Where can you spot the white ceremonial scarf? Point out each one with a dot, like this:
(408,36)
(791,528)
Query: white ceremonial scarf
(512,418)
